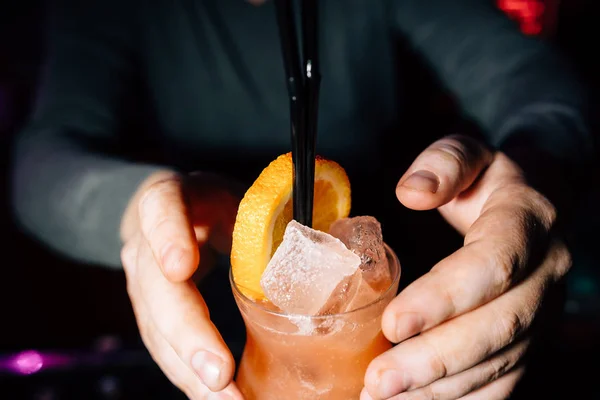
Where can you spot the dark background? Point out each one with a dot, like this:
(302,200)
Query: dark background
(50,304)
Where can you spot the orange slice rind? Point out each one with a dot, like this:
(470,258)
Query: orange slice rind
(266,209)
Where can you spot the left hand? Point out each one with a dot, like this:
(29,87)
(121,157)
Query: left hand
(474,309)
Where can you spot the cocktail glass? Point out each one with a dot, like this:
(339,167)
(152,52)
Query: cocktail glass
(310,357)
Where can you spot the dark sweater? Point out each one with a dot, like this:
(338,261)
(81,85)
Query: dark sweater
(203,81)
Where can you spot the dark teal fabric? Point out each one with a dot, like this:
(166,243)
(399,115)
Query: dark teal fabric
(203,83)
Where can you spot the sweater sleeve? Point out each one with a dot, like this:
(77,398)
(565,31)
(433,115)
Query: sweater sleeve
(517,89)
(71,180)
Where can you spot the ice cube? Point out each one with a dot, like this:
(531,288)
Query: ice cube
(363,236)
(365,294)
(311,273)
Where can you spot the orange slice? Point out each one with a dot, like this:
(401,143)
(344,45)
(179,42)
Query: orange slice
(266,209)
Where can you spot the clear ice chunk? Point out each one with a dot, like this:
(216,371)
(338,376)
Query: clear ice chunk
(311,273)
(365,294)
(363,236)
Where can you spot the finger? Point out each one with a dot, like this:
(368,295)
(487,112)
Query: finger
(145,325)
(166,226)
(181,376)
(499,389)
(498,248)
(444,170)
(181,317)
(529,211)
(462,342)
(172,366)
(455,386)
(465,209)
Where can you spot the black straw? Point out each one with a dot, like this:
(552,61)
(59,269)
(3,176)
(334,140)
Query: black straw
(312,84)
(303,90)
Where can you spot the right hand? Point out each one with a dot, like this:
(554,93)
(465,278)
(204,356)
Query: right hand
(168,229)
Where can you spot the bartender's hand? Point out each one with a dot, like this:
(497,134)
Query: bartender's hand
(170,228)
(473,310)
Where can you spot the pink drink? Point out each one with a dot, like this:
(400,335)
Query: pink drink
(291,356)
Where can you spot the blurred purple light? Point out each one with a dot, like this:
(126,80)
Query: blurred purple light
(31,361)
(28,362)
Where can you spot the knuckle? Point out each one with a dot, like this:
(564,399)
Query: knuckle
(462,148)
(506,262)
(562,258)
(128,253)
(437,365)
(544,210)
(436,362)
(539,209)
(510,234)
(452,151)
(450,302)
(128,258)
(433,394)
(565,258)
(429,393)
(497,367)
(479,230)
(508,327)
(523,221)
(154,229)
(154,195)
(501,217)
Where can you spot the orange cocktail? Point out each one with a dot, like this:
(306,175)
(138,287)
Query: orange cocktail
(311,357)
(312,298)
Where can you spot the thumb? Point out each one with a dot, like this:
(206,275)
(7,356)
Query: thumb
(441,172)
(174,320)
(166,226)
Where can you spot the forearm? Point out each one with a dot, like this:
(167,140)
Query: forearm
(72,181)
(73,200)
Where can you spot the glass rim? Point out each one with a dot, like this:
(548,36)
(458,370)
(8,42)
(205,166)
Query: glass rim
(262,308)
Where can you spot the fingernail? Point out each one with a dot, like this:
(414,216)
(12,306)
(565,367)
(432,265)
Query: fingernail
(391,383)
(407,325)
(171,257)
(364,395)
(208,367)
(423,181)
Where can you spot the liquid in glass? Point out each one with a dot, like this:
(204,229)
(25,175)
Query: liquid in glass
(311,357)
